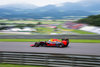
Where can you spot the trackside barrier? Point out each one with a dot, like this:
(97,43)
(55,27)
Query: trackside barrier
(49,36)
(46,59)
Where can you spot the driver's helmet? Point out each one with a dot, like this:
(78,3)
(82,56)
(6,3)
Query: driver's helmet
(55,40)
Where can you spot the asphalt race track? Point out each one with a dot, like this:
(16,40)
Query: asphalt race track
(74,48)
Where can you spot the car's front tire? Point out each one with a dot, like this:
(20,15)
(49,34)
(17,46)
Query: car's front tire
(37,44)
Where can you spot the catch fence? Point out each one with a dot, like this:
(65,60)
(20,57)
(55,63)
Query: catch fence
(49,59)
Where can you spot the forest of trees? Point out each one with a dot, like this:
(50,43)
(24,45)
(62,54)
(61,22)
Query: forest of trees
(91,20)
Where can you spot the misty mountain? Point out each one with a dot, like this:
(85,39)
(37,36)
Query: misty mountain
(19,6)
(27,11)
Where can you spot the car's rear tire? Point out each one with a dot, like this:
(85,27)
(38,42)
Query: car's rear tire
(60,45)
(67,43)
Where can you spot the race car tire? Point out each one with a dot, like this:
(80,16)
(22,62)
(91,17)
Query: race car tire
(60,45)
(37,45)
(67,43)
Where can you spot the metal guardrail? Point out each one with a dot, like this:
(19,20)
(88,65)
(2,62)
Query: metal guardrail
(49,36)
(46,59)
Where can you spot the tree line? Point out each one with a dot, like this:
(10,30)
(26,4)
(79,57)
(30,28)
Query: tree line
(91,20)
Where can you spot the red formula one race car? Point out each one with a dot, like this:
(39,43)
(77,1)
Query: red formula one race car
(52,43)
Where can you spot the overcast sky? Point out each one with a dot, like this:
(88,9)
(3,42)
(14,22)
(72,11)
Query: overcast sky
(36,2)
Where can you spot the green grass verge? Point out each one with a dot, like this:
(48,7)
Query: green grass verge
(14,65)
(82,32)
(84,41)
(33,21)
(37,40)
(6,33)
(46,30)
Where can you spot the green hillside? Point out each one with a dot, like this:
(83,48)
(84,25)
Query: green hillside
(92,20)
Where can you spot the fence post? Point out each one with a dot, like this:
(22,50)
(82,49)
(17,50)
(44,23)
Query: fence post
(22,60)
(1,56)
(73,61)
(46,61)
